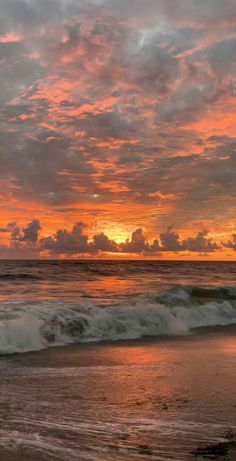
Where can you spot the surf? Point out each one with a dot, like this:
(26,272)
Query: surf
(28,326)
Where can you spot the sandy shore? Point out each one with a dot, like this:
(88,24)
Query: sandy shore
(149,399)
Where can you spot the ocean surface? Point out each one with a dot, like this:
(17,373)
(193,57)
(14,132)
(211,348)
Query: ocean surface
(45,304)
(108,360)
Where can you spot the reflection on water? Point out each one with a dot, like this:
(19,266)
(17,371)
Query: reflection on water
(146,400)
(114,402)
(105,279)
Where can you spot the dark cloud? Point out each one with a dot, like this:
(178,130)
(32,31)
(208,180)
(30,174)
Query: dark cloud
(137,244)
(231,243)
(31,231)
(49,170)
(201,243)
(170,240)
(28,14)
(207,12)
(198,11)
(29,234)
(16,235)
(102,243)
(150,66)
(66,242)
(222,56)
(76,242)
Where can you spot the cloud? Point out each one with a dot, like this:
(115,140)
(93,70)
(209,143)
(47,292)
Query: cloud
(117,105)
(170,240)
(31,231)
(29,234)
(231,243)
(200,12)
(201,243)
(28,240)
(15,232)
(222,56)
(66,242)
(137,244)
(102,243)
(22,242)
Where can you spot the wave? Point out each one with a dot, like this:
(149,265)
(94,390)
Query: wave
(25,327)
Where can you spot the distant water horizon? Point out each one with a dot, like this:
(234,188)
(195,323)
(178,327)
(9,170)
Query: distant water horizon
(121,259)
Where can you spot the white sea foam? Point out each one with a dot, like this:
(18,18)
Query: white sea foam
(25,327)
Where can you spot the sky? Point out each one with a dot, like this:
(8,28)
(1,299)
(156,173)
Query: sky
(117,129)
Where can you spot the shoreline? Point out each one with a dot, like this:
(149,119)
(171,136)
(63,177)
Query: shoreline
(194,334)
(158,395)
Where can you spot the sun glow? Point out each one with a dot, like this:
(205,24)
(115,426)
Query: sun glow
(117,232)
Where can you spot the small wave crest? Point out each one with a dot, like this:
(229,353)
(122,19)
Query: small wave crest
(25,328)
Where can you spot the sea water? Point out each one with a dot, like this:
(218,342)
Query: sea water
(45,304)
(104,360)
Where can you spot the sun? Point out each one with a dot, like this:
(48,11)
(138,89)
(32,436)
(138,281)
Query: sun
(117,232)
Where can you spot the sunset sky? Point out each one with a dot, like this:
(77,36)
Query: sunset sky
(118,128)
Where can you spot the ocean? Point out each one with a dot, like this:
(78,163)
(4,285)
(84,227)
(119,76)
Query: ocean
(115,360)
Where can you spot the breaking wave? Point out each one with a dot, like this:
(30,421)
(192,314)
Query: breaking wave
(28,327)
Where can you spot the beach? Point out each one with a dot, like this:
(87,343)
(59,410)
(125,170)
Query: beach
(114,361)
(117,230)
(148,399)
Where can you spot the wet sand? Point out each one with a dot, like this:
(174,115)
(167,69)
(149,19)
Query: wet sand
(149,399)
